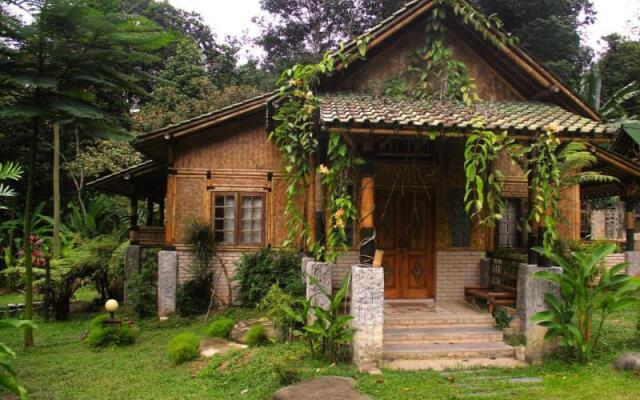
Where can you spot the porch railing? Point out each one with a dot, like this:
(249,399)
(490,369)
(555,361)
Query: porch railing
(147,235)
(503,274)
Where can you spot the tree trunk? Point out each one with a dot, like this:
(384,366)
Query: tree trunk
(56,190)
(28,262)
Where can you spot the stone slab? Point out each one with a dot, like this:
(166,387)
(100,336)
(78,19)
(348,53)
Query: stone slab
(303,267)
(167,282)
(628,362)
(212,346)
(367,310)
(449,364)
(323,388)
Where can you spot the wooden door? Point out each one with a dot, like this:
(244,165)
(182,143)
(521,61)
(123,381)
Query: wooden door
(405,231)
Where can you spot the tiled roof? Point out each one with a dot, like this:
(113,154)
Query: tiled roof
(361,109)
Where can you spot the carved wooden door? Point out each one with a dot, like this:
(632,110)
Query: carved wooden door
(405,231)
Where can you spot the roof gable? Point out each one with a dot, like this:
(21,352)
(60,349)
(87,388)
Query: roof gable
(514,66)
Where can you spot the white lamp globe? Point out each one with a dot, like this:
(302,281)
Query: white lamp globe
(111,306)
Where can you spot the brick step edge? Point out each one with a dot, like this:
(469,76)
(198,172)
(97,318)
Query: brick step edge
(447,351)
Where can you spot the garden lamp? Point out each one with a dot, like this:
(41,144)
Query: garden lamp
(111,306)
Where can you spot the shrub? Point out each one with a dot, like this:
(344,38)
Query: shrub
(502,318)
(102,336)
(256,336)
(194,296)
(115,272)
(142,286)
(258,272)
(272,305)
(583,298)
(286,370)
(221,327)
(183,347)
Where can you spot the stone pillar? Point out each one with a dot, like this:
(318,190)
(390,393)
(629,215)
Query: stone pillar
(633,258)
(367,310)
(531,291)
(485,272)
(131,264)
(167,282)
(320,290)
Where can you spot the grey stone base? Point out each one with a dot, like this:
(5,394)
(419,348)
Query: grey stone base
(167,282)
(367,310)
(303,267)
(531,291)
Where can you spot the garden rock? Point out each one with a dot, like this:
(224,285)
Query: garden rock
(628,362)
(324,388)
(239,331)
(212,346)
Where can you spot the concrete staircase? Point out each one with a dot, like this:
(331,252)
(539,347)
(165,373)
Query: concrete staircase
(442,335)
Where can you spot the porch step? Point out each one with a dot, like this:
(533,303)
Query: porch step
(444,321)
(474,334)
(429,351)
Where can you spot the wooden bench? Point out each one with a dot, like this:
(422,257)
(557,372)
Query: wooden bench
(503,283)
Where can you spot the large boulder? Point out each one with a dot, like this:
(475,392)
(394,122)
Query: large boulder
(628,362)
(324,388)
(239,331)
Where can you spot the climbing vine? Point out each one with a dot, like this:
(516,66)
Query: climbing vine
(483,190)
(298,143)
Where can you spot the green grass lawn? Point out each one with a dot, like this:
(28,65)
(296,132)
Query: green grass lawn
(61,366)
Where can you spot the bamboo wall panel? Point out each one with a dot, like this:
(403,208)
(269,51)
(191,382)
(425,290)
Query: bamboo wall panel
(392,61)
(240,144)
(190,195)
(570,208)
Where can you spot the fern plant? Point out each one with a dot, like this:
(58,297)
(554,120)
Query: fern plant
(8,171)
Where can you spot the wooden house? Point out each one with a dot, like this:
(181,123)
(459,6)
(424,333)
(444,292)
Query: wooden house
(221,166)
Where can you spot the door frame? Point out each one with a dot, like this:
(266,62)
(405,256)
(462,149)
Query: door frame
(386,189)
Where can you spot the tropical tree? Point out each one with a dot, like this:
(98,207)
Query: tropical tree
(550,29)
(621,72)
(70,62)
(619,104)
(300,31)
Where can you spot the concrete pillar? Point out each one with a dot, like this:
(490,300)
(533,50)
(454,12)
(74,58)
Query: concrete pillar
(320,290)
(132,255)
(367,310)
(531,291)
(633,258)
(167,282)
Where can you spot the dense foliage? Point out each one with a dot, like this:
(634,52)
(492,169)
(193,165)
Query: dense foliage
(273,306)
(256,336)
(588,296)
(142,286)
(327,333)
(620,68)
(258,271)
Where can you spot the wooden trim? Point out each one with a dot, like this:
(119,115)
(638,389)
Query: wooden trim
(421,131)
(171,211)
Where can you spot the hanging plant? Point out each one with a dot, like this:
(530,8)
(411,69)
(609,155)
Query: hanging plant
(483,190)
(295,138)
